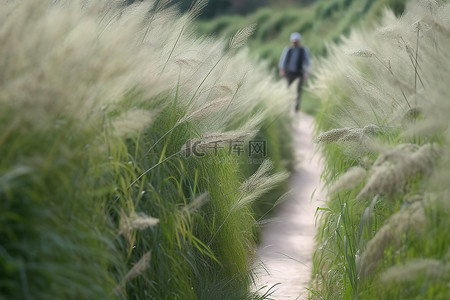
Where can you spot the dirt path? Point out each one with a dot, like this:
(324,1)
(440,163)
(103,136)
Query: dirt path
(285,254)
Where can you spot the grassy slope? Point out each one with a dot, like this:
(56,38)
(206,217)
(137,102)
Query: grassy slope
(324,21)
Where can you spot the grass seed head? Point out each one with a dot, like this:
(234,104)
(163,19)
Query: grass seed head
(137,269)
(414,269)
(131,122)
(206,110)
(135,221)
(362,53)
(392,169)
(411,218)
(352,178)
(241,36)
(259,183)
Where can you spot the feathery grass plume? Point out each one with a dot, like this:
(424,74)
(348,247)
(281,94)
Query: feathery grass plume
(424,159)
(392,169)
(389,32)
(254,187)
(257,185)
(140,221)
(187,62)
(384,179)
(411,218)
(362,53)
(134,221)
(262,219)
(153,11)
(241,36)
(131,122)
(196,8)
(252,124)
(332,135)
(355,135)
(395,154)
(439,178)
(411,116)
(227,89)
(347,134)
(194,11)
(425,127)
(196,204)
(417,269)
(420,26)
(136,270)
(253,180)
(350,179)
(206,110)
(365,162)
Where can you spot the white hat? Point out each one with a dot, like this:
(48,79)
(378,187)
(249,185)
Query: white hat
(295,36)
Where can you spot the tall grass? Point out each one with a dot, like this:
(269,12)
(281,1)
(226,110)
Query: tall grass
(98,197)
(320,23)
(383,132)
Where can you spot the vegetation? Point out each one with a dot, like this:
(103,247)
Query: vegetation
(233,7)
(320,23)
(102,195)
(383,131)
(126,169)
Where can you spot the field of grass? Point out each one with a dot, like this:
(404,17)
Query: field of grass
(102,193)
(320,23)
(383,131)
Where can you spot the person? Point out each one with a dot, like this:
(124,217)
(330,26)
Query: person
(294,63)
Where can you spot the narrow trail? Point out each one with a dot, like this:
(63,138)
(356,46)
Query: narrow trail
(287,244)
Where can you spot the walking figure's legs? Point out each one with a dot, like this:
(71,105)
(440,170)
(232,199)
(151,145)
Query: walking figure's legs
(290,79)
(299,93)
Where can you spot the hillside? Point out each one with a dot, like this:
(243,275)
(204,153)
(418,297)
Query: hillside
(321,22)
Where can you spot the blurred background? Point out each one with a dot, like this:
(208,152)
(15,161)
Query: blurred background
(321,22)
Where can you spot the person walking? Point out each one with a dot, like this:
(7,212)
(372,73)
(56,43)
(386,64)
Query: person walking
(294,63)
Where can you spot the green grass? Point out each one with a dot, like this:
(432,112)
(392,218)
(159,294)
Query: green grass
(320,23)
(98,199)
(384,235)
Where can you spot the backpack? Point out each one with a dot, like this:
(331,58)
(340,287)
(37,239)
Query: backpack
(299,62)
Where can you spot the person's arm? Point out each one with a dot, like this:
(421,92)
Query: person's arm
(282,61)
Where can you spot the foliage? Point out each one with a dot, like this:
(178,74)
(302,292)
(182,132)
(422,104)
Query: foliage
(320,23)
(220,7)
(384,231)
(101,196)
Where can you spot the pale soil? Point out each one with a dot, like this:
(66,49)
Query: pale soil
(285,253)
